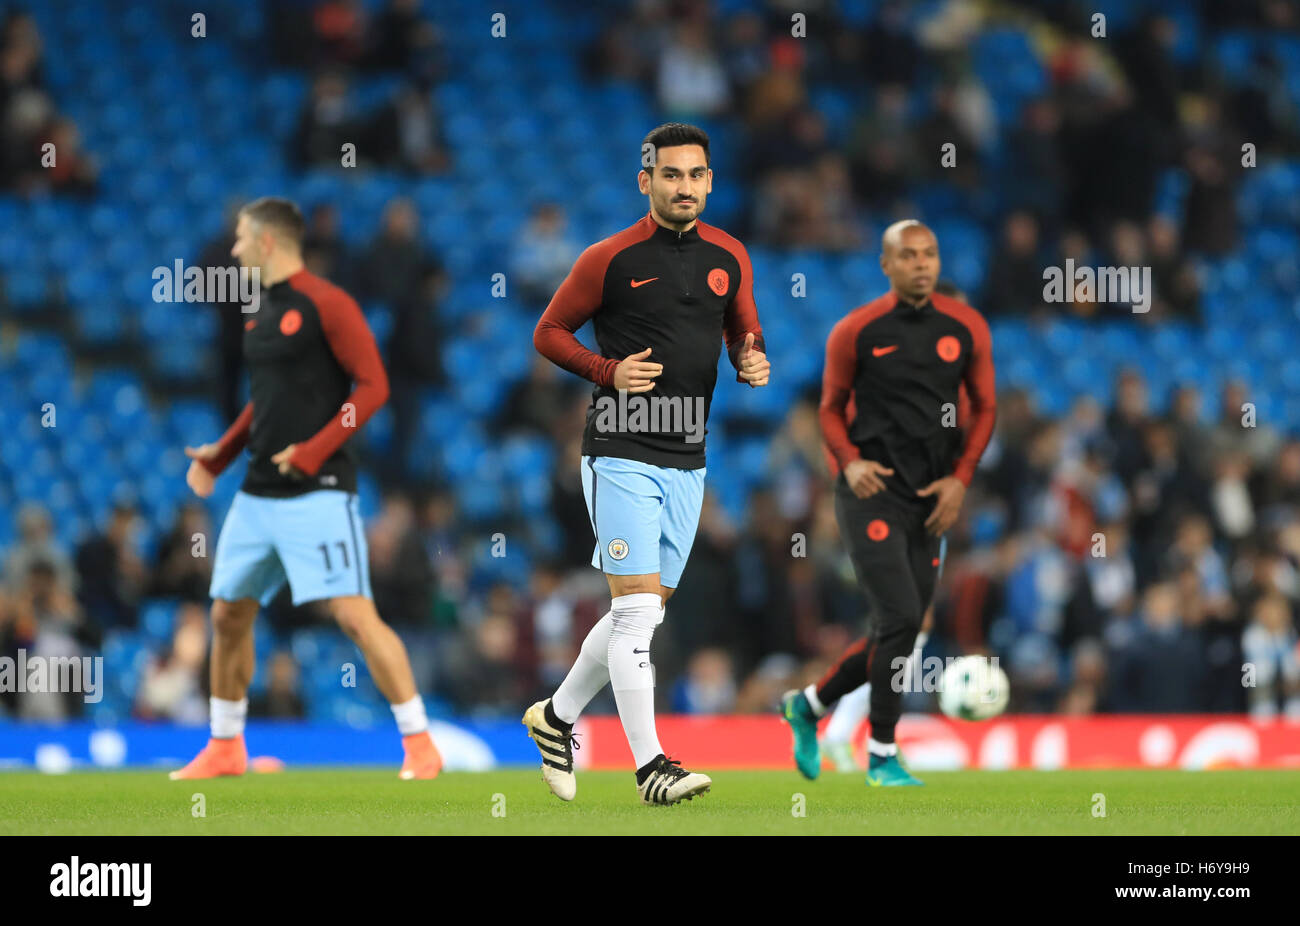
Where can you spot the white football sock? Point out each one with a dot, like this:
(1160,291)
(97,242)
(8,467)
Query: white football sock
(849,713)
(882,749)
(813,701)
(634,618)
(410,716)
(589,674)
(227,717)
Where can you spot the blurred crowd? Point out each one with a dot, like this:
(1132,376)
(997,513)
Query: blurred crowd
(42,148)
(1075,167)
(1116,560)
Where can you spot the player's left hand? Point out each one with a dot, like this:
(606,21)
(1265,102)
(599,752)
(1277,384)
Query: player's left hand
(951,491)
(754,368)
(282,458)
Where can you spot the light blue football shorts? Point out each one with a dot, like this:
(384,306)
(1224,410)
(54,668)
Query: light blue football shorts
(315,541)
(644,516)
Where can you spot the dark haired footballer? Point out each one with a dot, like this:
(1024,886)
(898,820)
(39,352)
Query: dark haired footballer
(663,296)
(891,391)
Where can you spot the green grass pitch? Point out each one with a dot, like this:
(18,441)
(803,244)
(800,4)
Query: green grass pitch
(357,801)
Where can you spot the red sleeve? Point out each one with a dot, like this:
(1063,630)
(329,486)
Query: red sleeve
(231,443)
(354,347)
(837,387)
(577,299)
(981,390)
(742,314)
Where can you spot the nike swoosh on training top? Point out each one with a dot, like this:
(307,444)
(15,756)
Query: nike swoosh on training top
(640,651)
(881,351)
(636,283)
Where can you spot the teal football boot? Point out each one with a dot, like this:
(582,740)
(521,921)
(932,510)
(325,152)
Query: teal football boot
(798,713)
(887,772)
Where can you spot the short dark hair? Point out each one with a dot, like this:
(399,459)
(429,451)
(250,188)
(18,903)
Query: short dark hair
(279,213)
(672,135)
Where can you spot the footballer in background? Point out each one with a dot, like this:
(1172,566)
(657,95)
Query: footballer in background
(889,416)
(315,376)
(849,712)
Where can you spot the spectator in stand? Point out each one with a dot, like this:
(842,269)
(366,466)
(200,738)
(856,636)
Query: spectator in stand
(396,262)
(113,576)
(326,124)
(281,700)
(486,672)
(414,365)
(36,543)
(544,253)
(173,686)
(537,403)
(407,133)
(324,251)
(49,623)
(1272,652)
(339,28)
(1176,283)
(692,81)
(1015,279)
(1158,667)
(708,687)
(400,574)
(183,564)
(403,41)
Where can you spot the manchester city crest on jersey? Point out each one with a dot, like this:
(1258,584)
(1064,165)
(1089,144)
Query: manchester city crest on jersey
(617,549)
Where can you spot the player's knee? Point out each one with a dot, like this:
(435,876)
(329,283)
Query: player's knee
(355,617)
(638,614)
(232,618)
(622,586)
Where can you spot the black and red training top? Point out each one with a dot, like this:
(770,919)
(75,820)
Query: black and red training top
(892,390)
(315,377)
(681,294)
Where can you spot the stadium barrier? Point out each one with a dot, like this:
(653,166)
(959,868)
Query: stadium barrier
(929,742)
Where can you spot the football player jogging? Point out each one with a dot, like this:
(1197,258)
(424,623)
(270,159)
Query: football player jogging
(889,417)
(663,294)
(851,710)
(315,377)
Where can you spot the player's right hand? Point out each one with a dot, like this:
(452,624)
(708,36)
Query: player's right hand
(865,477)
(635,374)
(198,477)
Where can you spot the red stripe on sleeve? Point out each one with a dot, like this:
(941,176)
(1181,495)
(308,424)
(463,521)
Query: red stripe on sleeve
(573,304)
(231,443)
(353,345)
(837,390)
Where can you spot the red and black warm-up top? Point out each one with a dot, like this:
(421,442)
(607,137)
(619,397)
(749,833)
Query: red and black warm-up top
(314,378)
(892,388)
(679,294)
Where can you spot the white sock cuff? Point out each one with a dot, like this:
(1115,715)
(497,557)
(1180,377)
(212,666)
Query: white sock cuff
(644,610)
(410,716)
(882,749)
(227,717)
(815,702)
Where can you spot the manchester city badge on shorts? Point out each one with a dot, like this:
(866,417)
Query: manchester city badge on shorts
(617,549)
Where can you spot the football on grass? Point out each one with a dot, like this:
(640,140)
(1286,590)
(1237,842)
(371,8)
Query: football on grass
(974,688)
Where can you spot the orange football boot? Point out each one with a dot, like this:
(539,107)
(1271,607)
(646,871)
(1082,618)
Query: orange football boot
(219,757)
(422,757)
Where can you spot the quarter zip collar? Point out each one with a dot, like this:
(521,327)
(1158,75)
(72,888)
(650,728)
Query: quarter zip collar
(911,308)
(669,236)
